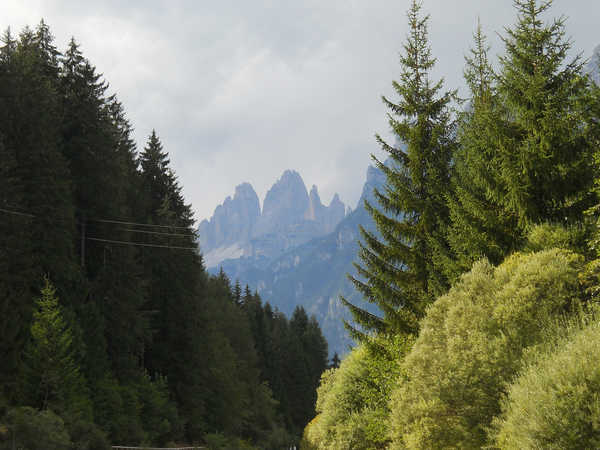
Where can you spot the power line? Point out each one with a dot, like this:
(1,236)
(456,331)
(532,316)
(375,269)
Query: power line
(136,223)
(120,222)
(16,213)
(112,241)
(139,244)
(157,232)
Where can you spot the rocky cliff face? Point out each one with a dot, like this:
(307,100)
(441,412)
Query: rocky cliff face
(289,218)
(326,216)
(593,67)
(284,205)
(229,230)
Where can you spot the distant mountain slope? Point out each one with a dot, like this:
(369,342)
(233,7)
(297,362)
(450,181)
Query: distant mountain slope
(313,274)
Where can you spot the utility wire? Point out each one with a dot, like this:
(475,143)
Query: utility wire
(135,223)
(157,232)
(139,244)
(16,213)
(112,241)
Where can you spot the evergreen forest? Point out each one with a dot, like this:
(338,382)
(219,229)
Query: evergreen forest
(484,268)
(485,263)
(111,330)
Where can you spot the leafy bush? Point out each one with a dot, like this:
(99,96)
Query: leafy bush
(471,345)
(352,402)
(218,441)
(547,236)
(555,403)
(87,436)
(31,429)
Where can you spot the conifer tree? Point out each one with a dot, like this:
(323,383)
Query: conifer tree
(97,142)
(399,271)
(546,159)
(526,145)
(176,290)
(53,376)
(480,227)
(37,235)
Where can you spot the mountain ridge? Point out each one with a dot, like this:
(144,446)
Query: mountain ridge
(290,216)
(314,274)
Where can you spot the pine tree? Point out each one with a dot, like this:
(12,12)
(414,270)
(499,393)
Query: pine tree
(480,227)
(527,144)
(97,142)
(306,361)
(335,361)
(176,290)
(37,236)
(53,376)
(399,271)
(546,159)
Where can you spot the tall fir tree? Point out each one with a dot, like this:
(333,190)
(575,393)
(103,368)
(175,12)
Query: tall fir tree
(546,159)
(176,289)
(53,378)
(526,145)
(399,271)
(37,225)
(97,142)
(480,227)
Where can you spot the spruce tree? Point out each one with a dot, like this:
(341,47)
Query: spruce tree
(176,291)
(546,159)
(399,271)
(96,140)
(480,227)
(53,377)
(37,224)
(526,144)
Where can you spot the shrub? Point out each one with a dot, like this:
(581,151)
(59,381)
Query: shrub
(555,403)
(471,345)
(352,401)
(31,429)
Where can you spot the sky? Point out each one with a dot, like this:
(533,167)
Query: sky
(239,91)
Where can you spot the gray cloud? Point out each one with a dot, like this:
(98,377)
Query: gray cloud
(242,90)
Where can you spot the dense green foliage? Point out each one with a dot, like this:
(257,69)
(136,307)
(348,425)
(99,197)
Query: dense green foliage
(353,401)
(485,274)
(554,403)
(526,144)
(130,340)
(471,344)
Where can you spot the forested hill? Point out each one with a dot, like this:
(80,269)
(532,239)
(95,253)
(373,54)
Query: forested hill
(111,330)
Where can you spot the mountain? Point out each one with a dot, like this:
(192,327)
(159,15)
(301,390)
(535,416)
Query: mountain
(314,274)
(593,66)
(290,217)
(228,233)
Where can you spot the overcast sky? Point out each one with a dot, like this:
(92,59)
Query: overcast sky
(242,90)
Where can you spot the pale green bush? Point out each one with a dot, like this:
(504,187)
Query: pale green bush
(555,403)
(353,400)
(472,343)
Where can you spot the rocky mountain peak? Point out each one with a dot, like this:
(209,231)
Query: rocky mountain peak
(314,192)
(285,203)
(290,217)
(315,207)
(335,200)
(245,191)
(375,178)
(232,221)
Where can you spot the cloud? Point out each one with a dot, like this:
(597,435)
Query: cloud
(240,91)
